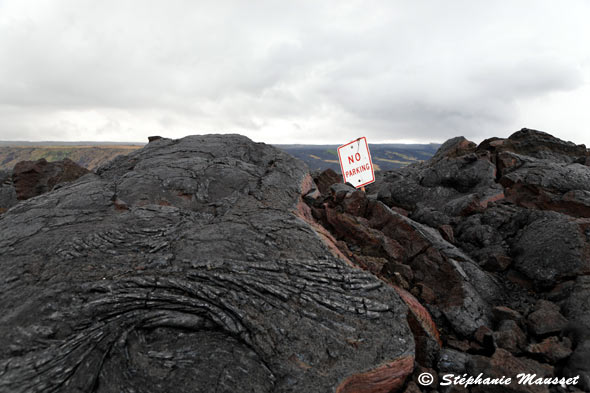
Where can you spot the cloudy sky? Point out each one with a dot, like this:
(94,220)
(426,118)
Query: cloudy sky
(293,71)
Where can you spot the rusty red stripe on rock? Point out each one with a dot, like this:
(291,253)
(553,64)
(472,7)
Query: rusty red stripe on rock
(419,314)
(387,378)
(494,198)
(306,184)
(303,211)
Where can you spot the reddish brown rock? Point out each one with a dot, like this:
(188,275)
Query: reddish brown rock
(447,233)
(551,349)
(404,270)
(507,161)
(439,278)
(572,202)
(326,179)
(303,211)
(398,228)
(426,293)
(455,147)
(461,345)
(399,210)
(519,279)
(373,264)
(120,204)
(546,319)
(502,312)
(497,262)
(494,195)
(510,337)
(482,334)
(399,281)
(357,231)
(32,178)
(356,203)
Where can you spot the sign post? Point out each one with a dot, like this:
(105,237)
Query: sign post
(356,164)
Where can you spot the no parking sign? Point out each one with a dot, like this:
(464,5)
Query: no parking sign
(355,163)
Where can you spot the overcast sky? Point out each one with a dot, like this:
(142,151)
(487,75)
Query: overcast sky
(293,71)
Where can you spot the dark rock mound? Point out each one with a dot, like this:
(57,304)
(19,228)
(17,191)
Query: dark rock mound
(190,265)
(542,145)
(540,171)
(32,178)
(325,179)
(552,248)
(454,147)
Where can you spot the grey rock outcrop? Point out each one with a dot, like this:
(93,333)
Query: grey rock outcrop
(7,191)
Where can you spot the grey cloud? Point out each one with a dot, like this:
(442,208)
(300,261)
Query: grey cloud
(279,71)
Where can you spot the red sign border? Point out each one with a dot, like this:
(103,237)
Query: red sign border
(370,162)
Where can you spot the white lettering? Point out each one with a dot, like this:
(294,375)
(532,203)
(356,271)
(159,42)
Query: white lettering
(447,379)
(522,379)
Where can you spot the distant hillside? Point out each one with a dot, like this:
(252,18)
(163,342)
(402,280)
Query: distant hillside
(94,154)
(384,156)
(86,156)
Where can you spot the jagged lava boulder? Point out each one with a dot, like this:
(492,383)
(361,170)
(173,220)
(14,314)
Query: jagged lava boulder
(32,178)
(190,265)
